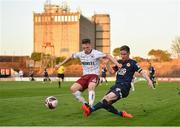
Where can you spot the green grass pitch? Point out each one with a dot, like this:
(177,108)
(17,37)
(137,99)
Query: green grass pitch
(22,104)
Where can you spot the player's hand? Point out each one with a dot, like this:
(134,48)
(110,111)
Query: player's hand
(119,66)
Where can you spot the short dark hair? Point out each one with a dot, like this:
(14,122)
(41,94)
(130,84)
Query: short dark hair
(126,48)
(86,41)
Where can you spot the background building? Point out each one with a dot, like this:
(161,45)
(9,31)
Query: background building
(58,31)
(102,32)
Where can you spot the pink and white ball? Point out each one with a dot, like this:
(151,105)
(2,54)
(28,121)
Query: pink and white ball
(51,102)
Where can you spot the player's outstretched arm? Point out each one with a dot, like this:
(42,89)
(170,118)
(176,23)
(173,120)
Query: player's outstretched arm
(150,84)
(63,62)
(110,69)
(113,60)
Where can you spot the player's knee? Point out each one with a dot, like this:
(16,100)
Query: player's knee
(75,87)
(106,101)
(72,89)
(107,98)
(91,86)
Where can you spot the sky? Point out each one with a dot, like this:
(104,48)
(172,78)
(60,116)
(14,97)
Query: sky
(141,24)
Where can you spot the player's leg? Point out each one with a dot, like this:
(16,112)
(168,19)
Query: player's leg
(156,81)
(111,97)
(48,78)
(59,81)
(76,91)
(132,86)
(152,79)
(62,77)
(101,80)
(106,103)
(91,90)
(93,81)
(44,79)
(105,79)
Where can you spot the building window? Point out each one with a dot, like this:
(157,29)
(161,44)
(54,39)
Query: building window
(62,18)
(65,18)
(69,18)
(75,18)
(72,18)
(36,19)
(56,18)
(39,18)
(59,18)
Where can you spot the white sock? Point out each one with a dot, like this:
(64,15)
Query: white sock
(132,86)
(78,96)
(91,97)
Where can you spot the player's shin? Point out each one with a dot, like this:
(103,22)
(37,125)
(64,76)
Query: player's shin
(91,97)
(110,108)
(78,96)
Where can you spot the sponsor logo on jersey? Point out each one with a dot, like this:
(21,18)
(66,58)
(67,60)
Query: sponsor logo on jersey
(88,63)
(128,64)
(122,71)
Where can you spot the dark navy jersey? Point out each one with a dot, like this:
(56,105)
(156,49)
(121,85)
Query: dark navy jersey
(151,71)
(125,74)
(46,74)
(104,70)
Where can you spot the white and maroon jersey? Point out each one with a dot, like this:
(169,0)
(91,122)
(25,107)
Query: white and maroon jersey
(90,62)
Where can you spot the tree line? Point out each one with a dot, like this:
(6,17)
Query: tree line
(158,54)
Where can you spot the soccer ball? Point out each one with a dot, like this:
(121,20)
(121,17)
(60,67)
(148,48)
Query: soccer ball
(51,102)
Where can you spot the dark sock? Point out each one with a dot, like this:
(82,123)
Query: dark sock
(59,84)
(110,108)
(99,105)
(104,104)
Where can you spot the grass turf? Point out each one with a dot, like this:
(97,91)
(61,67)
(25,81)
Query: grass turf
(22,103)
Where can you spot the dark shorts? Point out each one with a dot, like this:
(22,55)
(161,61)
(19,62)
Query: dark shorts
(61,76)
(103,75)
(153,79)
(121,90)
(86,79)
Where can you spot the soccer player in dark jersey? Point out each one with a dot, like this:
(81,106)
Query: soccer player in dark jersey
(152,74)
(122,85)
(103,74)
(46,76)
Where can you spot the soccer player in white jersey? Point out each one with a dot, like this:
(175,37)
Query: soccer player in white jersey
(90,60)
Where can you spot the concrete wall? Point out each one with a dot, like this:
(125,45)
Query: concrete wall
(57,33)
(87,30)
(102,32)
